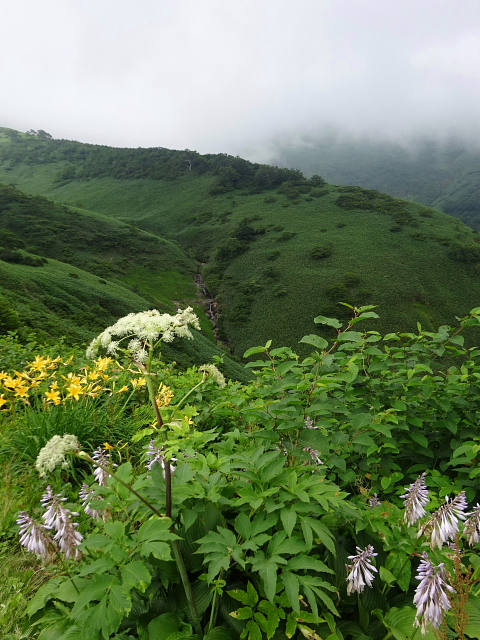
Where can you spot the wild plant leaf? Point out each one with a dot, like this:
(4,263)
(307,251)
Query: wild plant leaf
(316,341)
(115,529)
(253,631)
(219,633)
(280,545)
(307,563)
(267,568)
(159,550)
(95,590)
(292,589)
(135,574)
(42,596)
(243,613)
(120,599)
(289,520)
(101,565)
(156,529)
(322,533)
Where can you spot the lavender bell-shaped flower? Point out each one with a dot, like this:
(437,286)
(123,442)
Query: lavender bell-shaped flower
(360,571)
(444,522)
(430,597)
(87,494)
(415,499)
(472,526)
(35,537)
(59,518)
(102,458)
(157,454)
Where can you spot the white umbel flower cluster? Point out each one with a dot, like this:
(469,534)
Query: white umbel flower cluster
(53,453)
(415,499)
(212,372)
(431,597)
(360,571)
(143,329)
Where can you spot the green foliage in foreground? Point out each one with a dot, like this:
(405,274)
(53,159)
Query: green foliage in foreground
(275,484)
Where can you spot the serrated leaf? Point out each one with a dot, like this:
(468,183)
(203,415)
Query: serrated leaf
(101,565)
(292,589)
(249,597)
(289,520)
(120,599)
(155,529)
(136,574)
(253,630)
(95,590)
(159,550)
(115,529)
(243,526)
(308,563)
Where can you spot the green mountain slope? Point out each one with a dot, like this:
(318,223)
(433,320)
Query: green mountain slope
(443,174)
(277,249)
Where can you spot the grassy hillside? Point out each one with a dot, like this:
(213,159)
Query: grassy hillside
(276,255)
(442,174)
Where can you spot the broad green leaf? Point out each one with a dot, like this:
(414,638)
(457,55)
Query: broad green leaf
(401,623)
(98,566)
(316,341)
(253,350)
(253,631)
(95,590)
(291,626)
(243,526)
(162,627)
(308,563)
(136,574)
(290,582)
(155,529)
(248,597)
(159,550)
(387,576)
(42,596)
(268,623)
(473,612)
(120,599)
(322,533)
(280,544)
(115,529)
(289,520)
(331,322)
(351,336)
(419,438)
(219,633)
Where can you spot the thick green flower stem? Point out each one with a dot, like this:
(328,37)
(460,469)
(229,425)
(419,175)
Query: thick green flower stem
(177,554)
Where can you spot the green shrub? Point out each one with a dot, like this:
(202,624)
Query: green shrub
(319,252)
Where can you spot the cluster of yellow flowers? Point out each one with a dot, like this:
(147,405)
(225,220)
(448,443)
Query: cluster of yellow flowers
(43,378)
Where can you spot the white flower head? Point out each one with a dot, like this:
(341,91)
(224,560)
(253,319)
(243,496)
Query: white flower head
(144,327)
(53,453)
(360,571)
(444,522)
(415,499)
(430,597)
(212,372)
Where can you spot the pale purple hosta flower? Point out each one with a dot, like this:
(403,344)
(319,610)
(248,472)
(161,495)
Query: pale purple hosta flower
(68,538)
(374,501)
(87,494)
(430,597)
(59,518)
(360,571)
(35,537)
(472,526)
(444,522)
(415,499)
(157,454)
(103,459)
(309,424)
(314,454)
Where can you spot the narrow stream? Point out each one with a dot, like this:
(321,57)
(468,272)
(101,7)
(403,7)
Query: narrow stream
(211,308)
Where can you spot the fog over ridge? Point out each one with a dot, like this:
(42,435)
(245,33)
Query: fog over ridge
(223,77)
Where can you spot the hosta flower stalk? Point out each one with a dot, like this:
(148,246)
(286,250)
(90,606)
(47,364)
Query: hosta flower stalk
(416,499)
(361,570)
(444,522)
(431,597)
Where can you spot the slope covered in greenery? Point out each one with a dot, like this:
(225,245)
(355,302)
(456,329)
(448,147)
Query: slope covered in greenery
(442,174)
(277,249)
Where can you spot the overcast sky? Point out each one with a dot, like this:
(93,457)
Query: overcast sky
(224,76)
